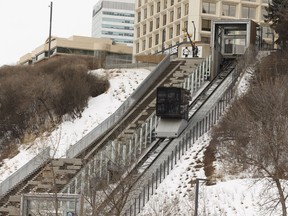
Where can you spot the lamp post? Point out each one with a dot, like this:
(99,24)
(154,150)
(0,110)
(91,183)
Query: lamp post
(194,30)
(188,35)
(50,28)
(163,40)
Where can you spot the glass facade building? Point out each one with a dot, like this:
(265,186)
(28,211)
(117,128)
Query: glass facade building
(114,19)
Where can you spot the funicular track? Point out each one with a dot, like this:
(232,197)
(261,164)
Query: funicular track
(161,144)
(10,203)
(135,115)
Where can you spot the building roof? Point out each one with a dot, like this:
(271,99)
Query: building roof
(75,42)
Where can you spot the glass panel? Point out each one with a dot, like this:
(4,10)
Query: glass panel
(206,25)
(171,16)
(164,19)
(158,7)
(228,10)
(178,12)
(209,8)
(170,33)
(248,12)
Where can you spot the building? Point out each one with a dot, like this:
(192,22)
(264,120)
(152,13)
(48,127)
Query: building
(114,19)
(96,48)
(160,24)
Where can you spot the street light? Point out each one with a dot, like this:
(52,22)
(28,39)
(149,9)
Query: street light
(194,30)
(189,36)
(163,40)
(50,28)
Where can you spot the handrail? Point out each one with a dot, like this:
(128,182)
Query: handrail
(22,173)
(108,123)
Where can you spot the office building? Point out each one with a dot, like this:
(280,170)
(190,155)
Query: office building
(114,19)
(159,24)
(95,49)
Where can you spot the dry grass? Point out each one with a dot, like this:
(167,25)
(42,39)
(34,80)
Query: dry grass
(33,99)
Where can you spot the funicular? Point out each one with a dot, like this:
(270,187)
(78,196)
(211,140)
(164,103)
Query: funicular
(231,38)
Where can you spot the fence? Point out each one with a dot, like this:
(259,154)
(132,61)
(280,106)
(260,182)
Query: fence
(22,173)
(199,124)
(128,151)
(89,139)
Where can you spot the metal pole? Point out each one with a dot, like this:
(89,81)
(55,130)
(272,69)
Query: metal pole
(50,28)
(197,195)
(163,40)
(191,42)
(194,34)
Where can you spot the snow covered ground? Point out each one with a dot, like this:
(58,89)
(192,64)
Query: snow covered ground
(175,196)
(122,83)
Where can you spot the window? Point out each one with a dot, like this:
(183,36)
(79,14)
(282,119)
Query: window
(228,10)
(170,32)
(117,27)
(138,32)
(206,25)
(118,20)
(150,42)
(151,26)
(137,47)
(143,44)
(118,14)
(248,12)
(158,7)
(209,8)
(178,29)
(117,33)
(157,22)
(186,24)
(139,3)
(186,9)
(178,12)
(145,13)
(165,4)
(139,16)
(156,39)
(172,2)
(164,19)
(151,10)
(144,29)
(171,16)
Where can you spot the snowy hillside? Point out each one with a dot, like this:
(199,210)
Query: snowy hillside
(122,83)
(176,195)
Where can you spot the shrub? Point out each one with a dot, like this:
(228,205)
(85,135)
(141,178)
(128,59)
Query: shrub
(34,98)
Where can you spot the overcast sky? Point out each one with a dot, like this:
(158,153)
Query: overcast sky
(25,24)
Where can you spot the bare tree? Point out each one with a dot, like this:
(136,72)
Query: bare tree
(254,133)
(278,20)
(108,193)
(163,206)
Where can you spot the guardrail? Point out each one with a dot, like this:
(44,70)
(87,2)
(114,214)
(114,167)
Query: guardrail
(199,124)
(40,159)
(22,173)
(108,123)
